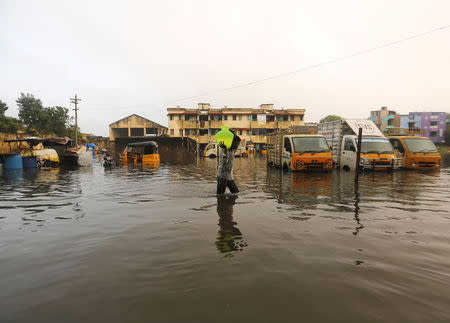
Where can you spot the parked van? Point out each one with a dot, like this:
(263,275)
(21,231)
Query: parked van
(376,150)
(145,153)
(416,152)
(298,152)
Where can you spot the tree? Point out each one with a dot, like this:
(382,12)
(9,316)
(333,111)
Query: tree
(3,108)
(31,112)
(57,121)
(331,117)
(45,121)
(10,124)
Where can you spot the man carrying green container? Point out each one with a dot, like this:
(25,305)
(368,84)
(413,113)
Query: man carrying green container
(228,142)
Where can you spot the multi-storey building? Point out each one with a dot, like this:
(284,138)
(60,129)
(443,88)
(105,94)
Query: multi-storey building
(433,124)
(252,125)
(385,118)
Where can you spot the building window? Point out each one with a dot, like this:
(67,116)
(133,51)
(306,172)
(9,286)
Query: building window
(433,133)
(301,117)
(240,132)
(180,132)
(172,132)
(234,117)
(192,117)
(250,117)
(170,117)
(270,118)
(249,132)
(239,117)
(203,132)
(151,131)
(433,123)
(137,132)
(225,117)
(292,118)
(187,132)
(214,131)
(203,118)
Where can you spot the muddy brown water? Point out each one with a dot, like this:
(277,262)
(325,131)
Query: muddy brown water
(156,245)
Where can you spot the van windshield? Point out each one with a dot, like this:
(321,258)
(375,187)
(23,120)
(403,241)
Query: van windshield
(376,146)
(310,145)
(420,145)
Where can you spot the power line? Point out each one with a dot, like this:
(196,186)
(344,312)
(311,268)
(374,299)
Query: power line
(334,60)
(309,67)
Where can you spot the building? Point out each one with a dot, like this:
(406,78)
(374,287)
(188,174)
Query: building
(135,126)
(433,124)
(385,118)
(404,121)
(252,125)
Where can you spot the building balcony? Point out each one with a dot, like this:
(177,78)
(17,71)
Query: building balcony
(216,124)
(191,124)
(257,124)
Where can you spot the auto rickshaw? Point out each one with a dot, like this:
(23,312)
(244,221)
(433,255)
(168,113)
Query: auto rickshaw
(145,153)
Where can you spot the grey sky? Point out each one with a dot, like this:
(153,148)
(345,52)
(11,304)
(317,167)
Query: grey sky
(124,57)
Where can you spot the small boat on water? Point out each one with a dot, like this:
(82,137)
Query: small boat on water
(145,153)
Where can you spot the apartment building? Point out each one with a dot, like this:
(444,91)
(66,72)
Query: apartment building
(385,118)
(252,125)
(433,124)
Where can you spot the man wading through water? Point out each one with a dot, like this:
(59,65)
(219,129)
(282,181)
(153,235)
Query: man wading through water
(228,142)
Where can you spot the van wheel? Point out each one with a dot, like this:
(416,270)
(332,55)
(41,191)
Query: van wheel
(212,156)
(346,168)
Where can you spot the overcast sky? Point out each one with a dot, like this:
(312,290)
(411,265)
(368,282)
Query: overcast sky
(124,57)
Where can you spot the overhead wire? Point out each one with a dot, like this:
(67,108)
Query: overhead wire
(309,67)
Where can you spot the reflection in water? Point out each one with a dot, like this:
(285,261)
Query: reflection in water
(229,237)
(358,222)
(139,247)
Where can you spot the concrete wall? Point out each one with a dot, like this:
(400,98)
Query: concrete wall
(171,150)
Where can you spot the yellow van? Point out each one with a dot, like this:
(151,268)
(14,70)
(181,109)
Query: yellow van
(416,152)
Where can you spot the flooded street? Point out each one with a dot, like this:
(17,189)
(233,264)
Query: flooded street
(157,245)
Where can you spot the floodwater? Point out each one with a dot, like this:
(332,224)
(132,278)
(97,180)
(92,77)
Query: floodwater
(156,245)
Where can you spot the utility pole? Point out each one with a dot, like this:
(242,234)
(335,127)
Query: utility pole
(75,101)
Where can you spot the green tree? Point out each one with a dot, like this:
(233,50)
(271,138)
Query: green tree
(32,113)
(10,124)
(57,121)
(330,117)
(43,120)
(3,108)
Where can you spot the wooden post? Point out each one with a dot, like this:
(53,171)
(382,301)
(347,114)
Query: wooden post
(358,155)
